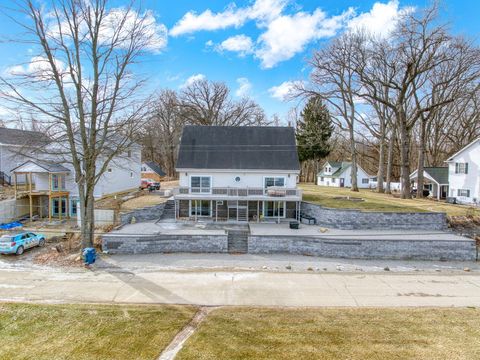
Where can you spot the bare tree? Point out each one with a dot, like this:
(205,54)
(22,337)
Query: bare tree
(209,103)
(335,81)
(417,46)
(163,130)
(80,86)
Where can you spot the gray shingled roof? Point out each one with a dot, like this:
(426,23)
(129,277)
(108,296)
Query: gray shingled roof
(440,174)
(155,167)
(238,147)
(21,137)
(47,165)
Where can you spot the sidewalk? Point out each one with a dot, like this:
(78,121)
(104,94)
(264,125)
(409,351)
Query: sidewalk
(252,288)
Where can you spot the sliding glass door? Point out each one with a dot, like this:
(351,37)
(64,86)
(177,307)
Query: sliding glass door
(200,208)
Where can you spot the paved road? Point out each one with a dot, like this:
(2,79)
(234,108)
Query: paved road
(240,288)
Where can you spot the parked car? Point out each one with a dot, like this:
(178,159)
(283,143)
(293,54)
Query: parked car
(149,184)
(17,244)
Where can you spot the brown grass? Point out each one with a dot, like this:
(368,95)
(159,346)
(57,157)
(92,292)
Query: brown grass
(383,334)
(374,201)
(88,331)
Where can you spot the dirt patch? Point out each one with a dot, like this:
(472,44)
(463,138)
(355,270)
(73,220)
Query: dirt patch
(466,225)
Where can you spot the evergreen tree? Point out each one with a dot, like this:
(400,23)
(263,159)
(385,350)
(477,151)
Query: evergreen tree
(314,130)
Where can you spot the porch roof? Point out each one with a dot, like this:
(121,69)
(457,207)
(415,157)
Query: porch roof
(39,166)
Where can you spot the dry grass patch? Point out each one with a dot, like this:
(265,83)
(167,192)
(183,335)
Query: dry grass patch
(383,334)
(373,201)
(88,331)
(143,201)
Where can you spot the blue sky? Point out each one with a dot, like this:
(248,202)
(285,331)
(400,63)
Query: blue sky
(257,47)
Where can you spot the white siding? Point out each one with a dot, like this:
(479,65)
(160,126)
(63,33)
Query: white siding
(346,175)
(470,181)
(247,179)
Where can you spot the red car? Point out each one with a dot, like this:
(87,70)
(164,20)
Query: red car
(149,184)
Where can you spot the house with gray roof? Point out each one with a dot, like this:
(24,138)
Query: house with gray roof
(338,174)
(435,181)
(238,174)
(14,144)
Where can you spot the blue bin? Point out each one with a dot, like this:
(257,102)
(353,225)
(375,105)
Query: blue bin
(89,256)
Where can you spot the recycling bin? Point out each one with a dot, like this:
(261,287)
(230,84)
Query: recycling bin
(89,256)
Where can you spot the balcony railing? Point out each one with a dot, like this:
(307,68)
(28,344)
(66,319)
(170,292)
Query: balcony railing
(274,192)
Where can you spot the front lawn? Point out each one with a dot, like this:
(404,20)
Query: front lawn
(373,201)
(383,334)
(88,331)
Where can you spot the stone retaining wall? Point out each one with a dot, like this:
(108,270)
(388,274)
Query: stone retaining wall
(143,214)
(365,249)
(164,243)
(359,220)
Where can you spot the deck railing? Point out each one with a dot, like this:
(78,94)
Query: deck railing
(273,192)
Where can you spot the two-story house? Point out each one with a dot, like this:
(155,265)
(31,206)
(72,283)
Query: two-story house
(229,173)
(338,174)
(464,174)
(53,192)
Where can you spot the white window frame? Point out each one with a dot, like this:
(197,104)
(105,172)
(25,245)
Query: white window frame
(201,188)
(191,202)
(459,193)
(275,177)
(461,168)
(367,182)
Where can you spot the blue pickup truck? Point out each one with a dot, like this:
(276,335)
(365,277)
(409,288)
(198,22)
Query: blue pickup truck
(18,243)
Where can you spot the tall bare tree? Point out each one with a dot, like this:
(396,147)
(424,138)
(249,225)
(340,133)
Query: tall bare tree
(204,102)
(334,80)
(161,135)
(80,85)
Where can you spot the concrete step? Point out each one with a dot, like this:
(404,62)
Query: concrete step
(238,241)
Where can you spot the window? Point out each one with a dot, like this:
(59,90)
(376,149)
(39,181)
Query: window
(73,207)
(321,178)
(144,168)
(129,153)
(131,174)
(109,170)
(463,192)
(200,184)
(273,209)
(333,180)
(58,182)
(200,208)
(364,181)
(274,181)
(461,168)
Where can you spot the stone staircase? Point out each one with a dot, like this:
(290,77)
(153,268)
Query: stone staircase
(168,211)
(238,241)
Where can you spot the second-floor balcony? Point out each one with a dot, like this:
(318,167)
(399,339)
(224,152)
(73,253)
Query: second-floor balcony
(245,193)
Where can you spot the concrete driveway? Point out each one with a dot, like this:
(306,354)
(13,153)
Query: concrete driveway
(262,288)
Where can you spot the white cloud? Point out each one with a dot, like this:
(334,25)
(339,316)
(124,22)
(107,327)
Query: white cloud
(232,16)
(117,25)
(38,67)
(289,34)
(380,20)
(244,87)
(283,91)
(238,43)
(192,79)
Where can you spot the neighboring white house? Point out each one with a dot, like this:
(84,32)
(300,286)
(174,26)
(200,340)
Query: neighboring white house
(435,180)
(338,174)
(14,144)
(464,174)
(52,188)
(230,173)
